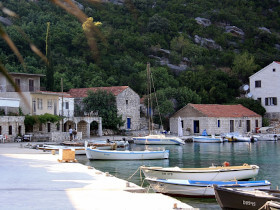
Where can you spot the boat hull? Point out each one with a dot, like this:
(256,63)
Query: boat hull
(94,154)
(234,199)
(204,139)
(158,140)
(203,174)
(191,188)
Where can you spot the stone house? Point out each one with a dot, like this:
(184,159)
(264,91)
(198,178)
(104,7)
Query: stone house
(215,118)
(10,126)
(33,101)
(265,86)
(127,102)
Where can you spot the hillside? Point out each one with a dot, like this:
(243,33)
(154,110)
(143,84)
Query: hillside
(200,51)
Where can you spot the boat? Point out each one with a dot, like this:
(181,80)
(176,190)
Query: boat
(195,188)
(231,198)
(47,147)
(205,138)
(266,137)
(154,138)
(212,173)
(158,139)
(236,137)
(96,154)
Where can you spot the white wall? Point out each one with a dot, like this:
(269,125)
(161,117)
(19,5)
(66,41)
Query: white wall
(270,85)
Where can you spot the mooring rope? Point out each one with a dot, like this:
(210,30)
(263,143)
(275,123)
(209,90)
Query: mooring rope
(134,173)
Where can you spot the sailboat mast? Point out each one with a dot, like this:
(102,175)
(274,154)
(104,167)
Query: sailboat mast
(149,92)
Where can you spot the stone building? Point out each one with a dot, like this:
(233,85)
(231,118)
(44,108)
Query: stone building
(127,101)
(215,118)
(34,101)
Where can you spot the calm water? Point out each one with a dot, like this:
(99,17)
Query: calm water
(263,154)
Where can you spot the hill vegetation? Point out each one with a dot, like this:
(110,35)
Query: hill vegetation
(200,51)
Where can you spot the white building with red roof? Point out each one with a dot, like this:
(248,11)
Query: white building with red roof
(265,86)
(215,118)
(127,102)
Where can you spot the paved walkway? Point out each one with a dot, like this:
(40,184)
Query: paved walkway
(33,179)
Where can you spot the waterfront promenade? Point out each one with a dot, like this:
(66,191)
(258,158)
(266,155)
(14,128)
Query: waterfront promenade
(33,179)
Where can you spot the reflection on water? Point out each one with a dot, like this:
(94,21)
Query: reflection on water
(263,154)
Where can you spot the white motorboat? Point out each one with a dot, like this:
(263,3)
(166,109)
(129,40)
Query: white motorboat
(96,154)
(193,188)
(208,139)
(213,173)
(157,139)
(236,137)
(266,137)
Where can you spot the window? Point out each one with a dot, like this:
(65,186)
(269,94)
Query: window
(260,100)
(126,102)
(31,85)
(49,127)
(66,105)
(258,83)
(271,101)
(0,130)
(240,123)
(17,81)
(182,122)
(273,70)
(10,130)
(40,103)
(257,123)
(50,104)
(219,123)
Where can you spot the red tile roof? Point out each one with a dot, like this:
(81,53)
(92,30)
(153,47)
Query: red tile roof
(82,92)
(217,110)
(277,62)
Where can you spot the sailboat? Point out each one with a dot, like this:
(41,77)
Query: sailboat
(154,138)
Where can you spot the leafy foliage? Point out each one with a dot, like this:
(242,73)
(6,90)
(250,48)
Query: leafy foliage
(31,120)
(105,103)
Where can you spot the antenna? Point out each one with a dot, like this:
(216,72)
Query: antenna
(249,95)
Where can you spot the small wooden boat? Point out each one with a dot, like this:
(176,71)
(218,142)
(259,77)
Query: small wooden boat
(230,198)
(96,154)
(213,173)
(158,139)
(208,139)
(79,150)
(192,188)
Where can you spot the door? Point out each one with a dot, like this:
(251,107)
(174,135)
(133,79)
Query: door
(248,125)
(231,126)
(128,122)
(196,126)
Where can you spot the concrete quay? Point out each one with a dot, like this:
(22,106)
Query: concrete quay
(33,179)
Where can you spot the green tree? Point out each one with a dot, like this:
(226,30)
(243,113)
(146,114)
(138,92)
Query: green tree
(105,103)
(244,66)
(251,104)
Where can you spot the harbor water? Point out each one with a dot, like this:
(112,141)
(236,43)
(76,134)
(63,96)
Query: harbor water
(265,154)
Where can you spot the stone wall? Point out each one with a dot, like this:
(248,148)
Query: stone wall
(12,126)
(128,105)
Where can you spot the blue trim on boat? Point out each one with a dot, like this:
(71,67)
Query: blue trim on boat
(210,183)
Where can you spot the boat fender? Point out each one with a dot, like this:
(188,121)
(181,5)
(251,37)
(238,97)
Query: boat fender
(226,164)
(245,164)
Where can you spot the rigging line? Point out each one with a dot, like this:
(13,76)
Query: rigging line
(156,98)
(133,174)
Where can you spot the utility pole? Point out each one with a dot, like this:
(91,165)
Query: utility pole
(62,107)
